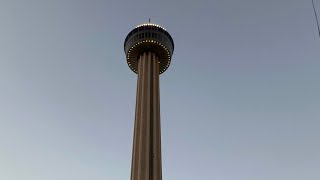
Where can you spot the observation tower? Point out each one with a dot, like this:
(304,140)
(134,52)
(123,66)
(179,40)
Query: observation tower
(148,48)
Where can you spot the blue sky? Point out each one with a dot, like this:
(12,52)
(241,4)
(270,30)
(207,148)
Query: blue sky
(240,100)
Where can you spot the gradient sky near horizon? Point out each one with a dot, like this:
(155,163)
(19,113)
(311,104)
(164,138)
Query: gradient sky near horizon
(240,101)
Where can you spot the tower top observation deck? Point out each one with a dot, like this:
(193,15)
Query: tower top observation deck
(149,38)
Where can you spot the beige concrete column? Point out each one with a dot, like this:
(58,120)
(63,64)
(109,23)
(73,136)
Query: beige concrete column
(146,153)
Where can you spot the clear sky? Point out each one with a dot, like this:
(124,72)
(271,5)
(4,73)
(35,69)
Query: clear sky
(240,101)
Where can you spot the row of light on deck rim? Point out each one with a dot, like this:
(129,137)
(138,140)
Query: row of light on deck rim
(152,41)
(149,24)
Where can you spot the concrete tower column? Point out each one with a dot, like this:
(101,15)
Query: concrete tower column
(146,154)
(148,48)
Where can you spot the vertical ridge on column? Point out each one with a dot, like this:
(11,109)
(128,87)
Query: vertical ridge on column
(143,143)
(158,123)
(136,126)
(154,118)
(151,116)
(147,117)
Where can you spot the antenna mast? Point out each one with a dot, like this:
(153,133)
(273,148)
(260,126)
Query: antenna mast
(315,13)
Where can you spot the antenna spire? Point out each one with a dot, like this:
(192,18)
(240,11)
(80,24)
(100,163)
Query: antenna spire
(315,13)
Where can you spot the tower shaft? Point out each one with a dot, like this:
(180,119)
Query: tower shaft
(146,154)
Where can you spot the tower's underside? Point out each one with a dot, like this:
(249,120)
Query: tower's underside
(146,154)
